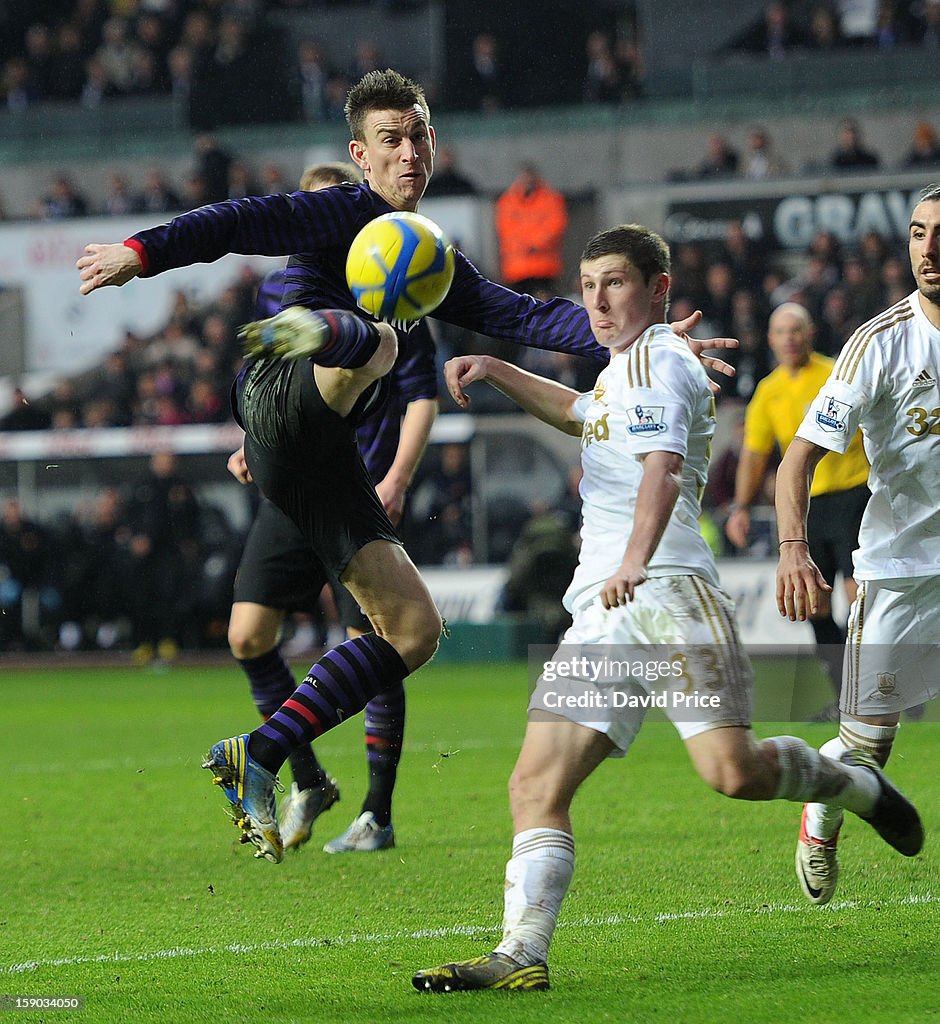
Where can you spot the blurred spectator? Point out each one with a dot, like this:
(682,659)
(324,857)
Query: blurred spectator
(157,196)
(720,161)
(928,31)
(19,91)
(439,513)
(62,201)
(746,257)
(858,20)
(894,25)
(313,73)
(118,201)
(774,35)
(837,322)
(366,58)
(719,288)
(212,165)
(146,77)
(824,33)
(531,220)
(630,60)
(688,273)
(164,521)
(603,79)
(241,182)
(27,562)
(925,149)
(863,285)
(447,179)
(486,87)
(335,101)
(116,54)
(69,74)
(40,59)
(273,181)
(850,153)
(23,415)
(761,162)
(97,87)
(96,577)
(180,73)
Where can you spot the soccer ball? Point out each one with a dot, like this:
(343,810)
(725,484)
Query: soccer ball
(400,267)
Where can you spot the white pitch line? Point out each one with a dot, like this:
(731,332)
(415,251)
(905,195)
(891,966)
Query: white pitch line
(372,938)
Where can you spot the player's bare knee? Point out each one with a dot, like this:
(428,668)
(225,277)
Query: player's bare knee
(416,639)
(383,359)
(246,644)
(734,779)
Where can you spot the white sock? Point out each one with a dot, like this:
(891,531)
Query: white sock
(537,878)
(807,774)
(823,821)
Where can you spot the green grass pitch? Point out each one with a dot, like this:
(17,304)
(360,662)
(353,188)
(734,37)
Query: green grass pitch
(121,880)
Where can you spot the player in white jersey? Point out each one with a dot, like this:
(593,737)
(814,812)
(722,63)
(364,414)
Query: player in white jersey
(884,383)
(646,601)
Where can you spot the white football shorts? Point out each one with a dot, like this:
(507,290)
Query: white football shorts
(674,647)
(891,646)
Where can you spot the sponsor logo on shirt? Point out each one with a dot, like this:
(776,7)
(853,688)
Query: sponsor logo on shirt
(646,419)
(595,430)
(925,379)
(831,417)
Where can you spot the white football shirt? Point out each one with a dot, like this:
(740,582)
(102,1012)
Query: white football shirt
(884,382)
(652,397)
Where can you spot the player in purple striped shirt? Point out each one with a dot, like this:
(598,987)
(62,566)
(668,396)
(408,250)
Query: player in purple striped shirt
(278,567)
(300,426)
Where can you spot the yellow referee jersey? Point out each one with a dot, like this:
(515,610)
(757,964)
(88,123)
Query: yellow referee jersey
(776,411)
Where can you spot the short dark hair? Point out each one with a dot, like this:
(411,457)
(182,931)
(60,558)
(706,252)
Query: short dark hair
(319,175)
(646,250)
(381,90)
(930,194)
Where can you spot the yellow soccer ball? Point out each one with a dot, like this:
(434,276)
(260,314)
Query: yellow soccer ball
(400,267)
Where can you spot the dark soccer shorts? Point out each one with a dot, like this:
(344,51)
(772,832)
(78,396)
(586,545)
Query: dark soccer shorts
(305,460)
(832,529)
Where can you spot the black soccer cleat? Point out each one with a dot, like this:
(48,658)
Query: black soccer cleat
(494,971)
(893,817)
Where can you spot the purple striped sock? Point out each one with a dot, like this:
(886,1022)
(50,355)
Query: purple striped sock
(385,728)
(352,343)
(337,687)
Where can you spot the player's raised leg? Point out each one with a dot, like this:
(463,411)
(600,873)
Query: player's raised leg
(733,762)
(407,627)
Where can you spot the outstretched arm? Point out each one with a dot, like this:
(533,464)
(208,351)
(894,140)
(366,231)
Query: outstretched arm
(545,399)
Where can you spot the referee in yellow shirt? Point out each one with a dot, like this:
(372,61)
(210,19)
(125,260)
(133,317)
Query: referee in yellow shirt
(840,487)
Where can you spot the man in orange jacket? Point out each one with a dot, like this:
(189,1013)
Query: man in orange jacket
(531,218)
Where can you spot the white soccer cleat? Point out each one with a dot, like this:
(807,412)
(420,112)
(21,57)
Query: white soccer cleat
(364,835)
(817,865)
(301,808)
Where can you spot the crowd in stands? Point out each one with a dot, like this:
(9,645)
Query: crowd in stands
(784,29)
